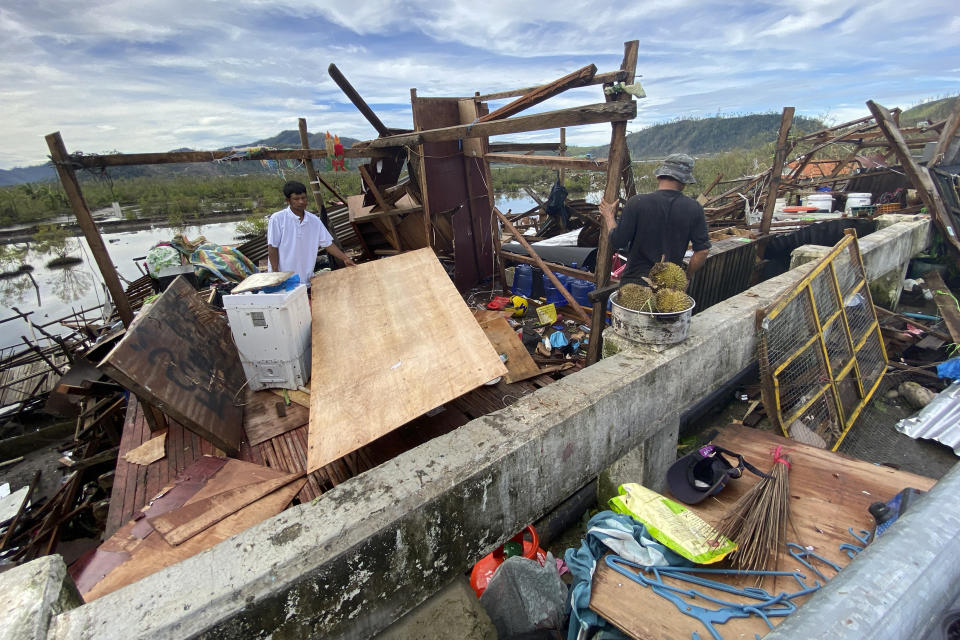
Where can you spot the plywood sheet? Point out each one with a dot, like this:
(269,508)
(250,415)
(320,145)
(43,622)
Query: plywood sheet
(392,339)
(260,280)
(829,493)
(180,356)
(520,365)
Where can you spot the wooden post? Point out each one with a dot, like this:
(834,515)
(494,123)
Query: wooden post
(946,136)
(776,171)
(421,174)
(384,205)
(920,176)
(314,179)
(61,161)
(543,266)
(618,149)
(563,152)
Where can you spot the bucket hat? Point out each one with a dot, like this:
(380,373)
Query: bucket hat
(705,472)
(678,166)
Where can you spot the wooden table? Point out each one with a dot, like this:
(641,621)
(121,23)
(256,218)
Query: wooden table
(830,492)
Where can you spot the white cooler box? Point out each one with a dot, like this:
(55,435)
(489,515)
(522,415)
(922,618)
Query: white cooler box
(272,333)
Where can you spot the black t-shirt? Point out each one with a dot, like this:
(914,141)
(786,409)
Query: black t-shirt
(656,224)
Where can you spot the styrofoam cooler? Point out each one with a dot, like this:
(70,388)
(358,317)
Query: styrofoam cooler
(272,333)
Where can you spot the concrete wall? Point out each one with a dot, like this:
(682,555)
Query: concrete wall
(379,544)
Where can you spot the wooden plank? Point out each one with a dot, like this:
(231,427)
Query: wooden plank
(261,421)
(180,354)
(829,493)
(587,114)
(140,556)
(776,171)
(600,78)
(520,365)
(150,451)
(406,362)
(543,266)
(947,134)
(578,78)
(556,268)
(94,161)
(512,147)
(555,162)
(611,193)
(181,524)
(946,303)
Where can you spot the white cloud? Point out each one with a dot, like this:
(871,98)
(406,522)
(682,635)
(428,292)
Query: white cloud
(152,75)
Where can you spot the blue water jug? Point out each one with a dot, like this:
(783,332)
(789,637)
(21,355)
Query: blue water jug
(523,280)
(580,289)
(553,294)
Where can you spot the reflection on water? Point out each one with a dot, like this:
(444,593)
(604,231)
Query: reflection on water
(73,283)
(15,290)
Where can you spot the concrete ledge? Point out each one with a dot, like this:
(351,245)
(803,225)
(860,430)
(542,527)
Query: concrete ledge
(381,543)
(31,594)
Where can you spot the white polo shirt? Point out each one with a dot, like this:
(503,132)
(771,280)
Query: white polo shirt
(297,242)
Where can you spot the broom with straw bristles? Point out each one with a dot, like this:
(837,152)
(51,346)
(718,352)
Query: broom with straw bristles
(757,522)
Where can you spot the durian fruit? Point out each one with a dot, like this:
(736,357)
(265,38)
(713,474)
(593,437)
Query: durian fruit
(669,276)
(671,301)
(634,296)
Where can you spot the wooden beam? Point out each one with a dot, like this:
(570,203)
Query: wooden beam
(129,159)
(510,147)
(557,268)
(554,162)
(776,170)
(618,150)
(578,78)
(62,163)
(384,205)
(599,78)
(563,152)
(543,266)
(315,180)
(920,176)
(357,101)
(946,303)
(588,114)
(946,135)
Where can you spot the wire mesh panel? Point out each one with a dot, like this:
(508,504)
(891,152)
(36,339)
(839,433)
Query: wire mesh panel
(821,352)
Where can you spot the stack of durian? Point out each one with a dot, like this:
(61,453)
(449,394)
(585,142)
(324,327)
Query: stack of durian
(665,296)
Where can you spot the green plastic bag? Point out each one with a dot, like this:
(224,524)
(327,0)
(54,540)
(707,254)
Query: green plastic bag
(673,524)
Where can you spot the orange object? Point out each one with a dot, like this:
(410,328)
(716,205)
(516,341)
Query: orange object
(484,569)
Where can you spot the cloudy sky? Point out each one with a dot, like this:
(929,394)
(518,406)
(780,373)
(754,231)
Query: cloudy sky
(153,76)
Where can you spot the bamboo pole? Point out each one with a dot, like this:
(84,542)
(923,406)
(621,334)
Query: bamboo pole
(776,171)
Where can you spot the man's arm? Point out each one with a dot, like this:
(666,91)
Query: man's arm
(696,261)
(608,211)
(273,257)
(340,255)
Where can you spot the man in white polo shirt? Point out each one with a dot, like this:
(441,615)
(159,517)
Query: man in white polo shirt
(294,235)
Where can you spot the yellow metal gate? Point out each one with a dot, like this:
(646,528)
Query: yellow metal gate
(821,351)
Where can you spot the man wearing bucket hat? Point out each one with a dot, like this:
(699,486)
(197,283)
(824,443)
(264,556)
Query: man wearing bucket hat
(661,223)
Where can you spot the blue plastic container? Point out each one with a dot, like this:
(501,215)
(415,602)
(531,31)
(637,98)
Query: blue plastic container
(553,294)
(579,289)
(523,280)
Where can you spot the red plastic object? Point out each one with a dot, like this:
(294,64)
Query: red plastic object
(799,209)
(498,303)
(483,571)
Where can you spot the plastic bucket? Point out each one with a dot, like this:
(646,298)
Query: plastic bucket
(647,327)
(553,294)
(522,280)
(822,201)
(857,200)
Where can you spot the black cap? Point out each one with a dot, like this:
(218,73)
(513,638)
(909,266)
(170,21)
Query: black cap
(702,473)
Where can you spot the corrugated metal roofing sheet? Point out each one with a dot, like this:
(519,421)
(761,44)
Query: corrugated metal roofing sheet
(939,420)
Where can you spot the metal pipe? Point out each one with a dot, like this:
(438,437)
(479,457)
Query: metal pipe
(899,586)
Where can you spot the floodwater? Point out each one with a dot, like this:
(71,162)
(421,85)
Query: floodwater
(60,291)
